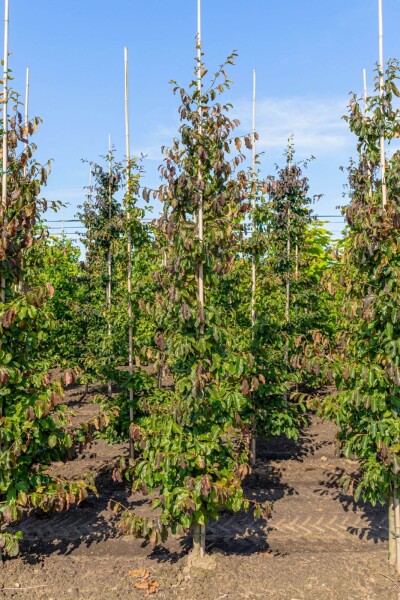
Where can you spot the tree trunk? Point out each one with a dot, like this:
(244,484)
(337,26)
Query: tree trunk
(199,541)
(253,453)
(396,502)
(392,535)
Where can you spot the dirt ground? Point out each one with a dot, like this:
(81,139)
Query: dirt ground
(318,543)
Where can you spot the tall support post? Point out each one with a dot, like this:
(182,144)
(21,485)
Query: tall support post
(288,253)
(365,94)
(365,89)
(381,86)
(26,120)
(253,205)
(109,265)
(5,132)
(90,193)
(253,455)
(200,131)
(129,244)
(199,531)
(26,143)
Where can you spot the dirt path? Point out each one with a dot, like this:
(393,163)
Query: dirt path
(318,545)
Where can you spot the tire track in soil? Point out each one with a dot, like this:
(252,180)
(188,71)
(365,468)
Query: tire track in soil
(317,544)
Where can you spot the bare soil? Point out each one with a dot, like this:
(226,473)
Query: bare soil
(318,543)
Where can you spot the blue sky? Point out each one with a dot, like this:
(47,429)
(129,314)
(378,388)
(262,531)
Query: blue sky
(308,55)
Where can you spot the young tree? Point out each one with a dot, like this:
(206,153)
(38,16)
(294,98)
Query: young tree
(365,359)
(194,440)
(32,420)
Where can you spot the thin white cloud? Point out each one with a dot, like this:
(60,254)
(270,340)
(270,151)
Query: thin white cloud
(317,125)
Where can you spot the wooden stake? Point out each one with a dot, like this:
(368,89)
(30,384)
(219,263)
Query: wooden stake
(5,132)
(253,204)
(381,86)
(129,247)
(365,89)
(109,266)
(199,532)
(200,211)
(253,452)
(288,251)
(366,114)
(26,117)
(25,169)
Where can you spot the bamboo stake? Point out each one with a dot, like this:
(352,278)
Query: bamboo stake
(200,131)
(26,117)
(366,114)
(109,267)
(129,247)
(253,453)
(5,132)
(381,85)
(365,89)
(288,251)
(90,191)
(253,205)
(199,533)
(26,143)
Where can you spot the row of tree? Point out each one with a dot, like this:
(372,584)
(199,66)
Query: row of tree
(321,315)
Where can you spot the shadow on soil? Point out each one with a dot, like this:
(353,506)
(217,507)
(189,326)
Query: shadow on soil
(92,522)
(374,517)
(86,524)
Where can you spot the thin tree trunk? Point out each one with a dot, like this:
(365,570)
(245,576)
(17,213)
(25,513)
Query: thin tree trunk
(392,534)
(396,502)
(199,541)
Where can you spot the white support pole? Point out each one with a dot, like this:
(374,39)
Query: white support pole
(365,88)
(200,211)
(26,143)
(365,92)
(26,117)
(5,132)
(199,534)
(253,454)
(381,86)
(109,272)
(129,246)
(253,204)
(288,252)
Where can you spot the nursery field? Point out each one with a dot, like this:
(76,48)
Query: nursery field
(340,552)
(201,398)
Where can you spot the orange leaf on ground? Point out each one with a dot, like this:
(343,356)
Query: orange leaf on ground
(139,573)
(141,585)
(153,586)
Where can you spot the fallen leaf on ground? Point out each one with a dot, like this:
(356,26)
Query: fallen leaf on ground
(141,585)
(149,586)
(139,573)
(153,586)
